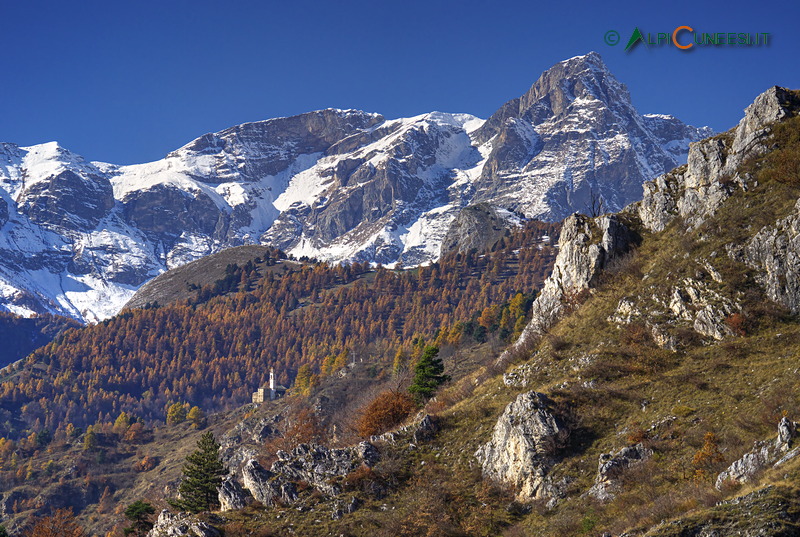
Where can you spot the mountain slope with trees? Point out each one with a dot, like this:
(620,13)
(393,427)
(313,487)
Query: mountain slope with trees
(214,349)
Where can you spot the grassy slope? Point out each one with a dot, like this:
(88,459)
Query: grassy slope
(174,285)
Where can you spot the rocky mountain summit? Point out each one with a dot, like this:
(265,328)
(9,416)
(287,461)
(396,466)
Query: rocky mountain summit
(78,238)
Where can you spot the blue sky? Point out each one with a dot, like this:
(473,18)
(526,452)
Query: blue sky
(128,82)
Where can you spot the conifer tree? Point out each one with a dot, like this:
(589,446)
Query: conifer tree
(176,413)
(202,474)
(197,417)
(89,439)
(428,374)
(139,513)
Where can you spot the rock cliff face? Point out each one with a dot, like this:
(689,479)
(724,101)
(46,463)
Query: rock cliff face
(524,445)
(763,455)
(67,201)
(585,247)
(714,166)
(317,466)
(775,253)
(78,238)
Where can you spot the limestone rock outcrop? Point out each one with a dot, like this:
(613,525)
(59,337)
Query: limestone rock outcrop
(265,486)
(524,446)
(240,444)
(231,494)
(181,525)
(319,466)
(775,254)
(763,455)
(697,302)
(585,247)
(611,466)
(696,191)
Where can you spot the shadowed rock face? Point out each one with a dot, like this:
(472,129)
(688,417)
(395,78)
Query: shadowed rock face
(166,212)
(68,200)
(3,212)
(254,150)
(477,226)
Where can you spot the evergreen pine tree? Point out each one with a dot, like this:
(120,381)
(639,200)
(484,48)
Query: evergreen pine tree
(428,374)
(139,513)
(202,474)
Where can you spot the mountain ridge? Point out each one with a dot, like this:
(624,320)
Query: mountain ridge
(80,237)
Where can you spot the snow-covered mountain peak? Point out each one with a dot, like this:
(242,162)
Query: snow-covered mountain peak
(590,58)
(43,160)
(583,77)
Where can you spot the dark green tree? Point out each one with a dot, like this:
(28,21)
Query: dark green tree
(43,438)
(202,474)
(139,513)
(3,531)
(428,374)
